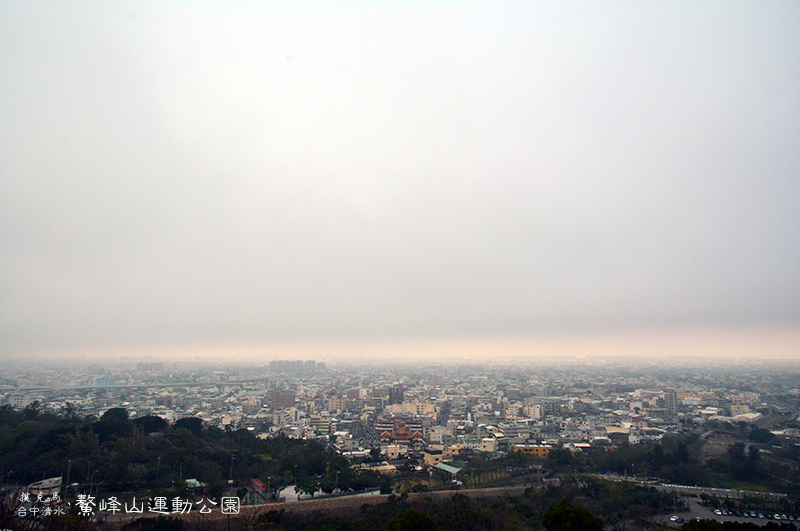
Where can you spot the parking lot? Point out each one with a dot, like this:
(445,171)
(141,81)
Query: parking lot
(698,511)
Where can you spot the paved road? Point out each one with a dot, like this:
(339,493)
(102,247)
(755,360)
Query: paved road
(289,495)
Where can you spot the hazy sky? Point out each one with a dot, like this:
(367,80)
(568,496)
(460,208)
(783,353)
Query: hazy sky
(253,173)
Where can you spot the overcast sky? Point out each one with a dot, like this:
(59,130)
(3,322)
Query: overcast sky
(198,173)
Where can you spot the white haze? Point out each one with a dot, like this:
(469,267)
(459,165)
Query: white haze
(178,175)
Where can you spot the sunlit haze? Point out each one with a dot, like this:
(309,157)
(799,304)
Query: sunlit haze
(397,180)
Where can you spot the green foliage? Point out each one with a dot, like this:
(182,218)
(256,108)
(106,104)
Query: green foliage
(586,496)
(117,415)
(192,424)
(736,451)
(561,458)
(113,424)
(68,522)
(122,454)
(564,516)
(32,411)
(162,523)
(151,424)
(678,459)
(740,464)
(307,486)
(411,520)
(753,454)
(761,436)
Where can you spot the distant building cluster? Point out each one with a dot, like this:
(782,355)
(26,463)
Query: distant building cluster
(296,366)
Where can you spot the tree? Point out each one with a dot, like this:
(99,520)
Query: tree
(761,436)
(561,457)
(193,424)
(162,523)
(307,486)
(328,484)
(657,457)
(566,517)
(150,423)
(69,412)
(32,411)
(681,455)
(113,423)
(736,452)
(753,454)
(115,415)
(411,520)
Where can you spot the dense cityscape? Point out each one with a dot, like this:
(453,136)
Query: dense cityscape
(400,429)
(488,407)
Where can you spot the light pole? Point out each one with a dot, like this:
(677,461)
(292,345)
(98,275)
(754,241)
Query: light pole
(233,458)
(69,466)
(337,479)
(295,474)
(158,467)
(181,476)
(91,480)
